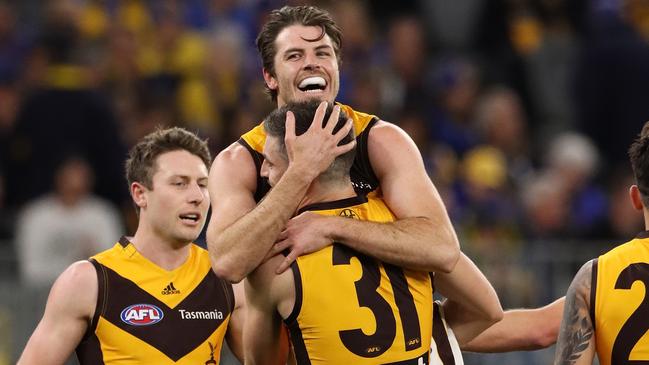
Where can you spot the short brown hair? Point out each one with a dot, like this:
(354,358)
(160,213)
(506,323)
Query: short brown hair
(639,156)
(279,19)
(140,165)
(304,112)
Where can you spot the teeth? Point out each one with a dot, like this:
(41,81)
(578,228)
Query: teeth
(313,80)
(189,216)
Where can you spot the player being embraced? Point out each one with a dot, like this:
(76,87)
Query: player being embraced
(340,305)
(152,298)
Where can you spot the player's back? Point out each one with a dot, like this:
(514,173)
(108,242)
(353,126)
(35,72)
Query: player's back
(353,309)
(620,302)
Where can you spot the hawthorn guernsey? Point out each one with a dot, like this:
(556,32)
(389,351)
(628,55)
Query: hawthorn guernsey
(215,314)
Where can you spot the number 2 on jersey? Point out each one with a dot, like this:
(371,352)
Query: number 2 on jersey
(636,326)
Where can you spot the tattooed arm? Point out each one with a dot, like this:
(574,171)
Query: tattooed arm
(576,343)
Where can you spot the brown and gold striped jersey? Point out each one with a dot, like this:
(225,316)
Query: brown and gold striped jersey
(148,315)
(353,309)
(620,303)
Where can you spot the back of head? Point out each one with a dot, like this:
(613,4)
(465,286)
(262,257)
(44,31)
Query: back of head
(279,19)
(639,156)
(304,111)
(141,163)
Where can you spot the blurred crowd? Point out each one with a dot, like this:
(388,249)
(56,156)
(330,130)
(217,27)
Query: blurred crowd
(522,109)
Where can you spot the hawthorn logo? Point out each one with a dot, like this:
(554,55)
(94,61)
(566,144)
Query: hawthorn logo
(141,315)
(348,213)
(211,360)
(170,289)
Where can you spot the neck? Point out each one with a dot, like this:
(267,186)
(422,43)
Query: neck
(159,250)
(319,192)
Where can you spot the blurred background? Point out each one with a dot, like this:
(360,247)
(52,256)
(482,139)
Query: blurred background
(523,111)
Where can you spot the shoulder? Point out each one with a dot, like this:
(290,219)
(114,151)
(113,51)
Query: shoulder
(235,152)
(79,275)
(76,289)
(235,160)
(582,282)
(388,132)
(390,147)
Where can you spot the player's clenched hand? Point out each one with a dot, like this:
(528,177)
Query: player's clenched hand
(314,151)
(303,234)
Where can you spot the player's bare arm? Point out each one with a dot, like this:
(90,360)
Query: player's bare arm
(576,344)
(422,238)
(68,313)
(241,233)
(471,304)
(234,335)
(521,330)
(265,341)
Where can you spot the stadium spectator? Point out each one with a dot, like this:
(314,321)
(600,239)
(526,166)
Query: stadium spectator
(64,226)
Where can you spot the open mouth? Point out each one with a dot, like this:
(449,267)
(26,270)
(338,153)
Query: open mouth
(190,217)
(312,84)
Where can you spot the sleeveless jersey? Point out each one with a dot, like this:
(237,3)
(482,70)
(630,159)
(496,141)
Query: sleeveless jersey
(352,309)
(362,175)
(619,302)
(147,315)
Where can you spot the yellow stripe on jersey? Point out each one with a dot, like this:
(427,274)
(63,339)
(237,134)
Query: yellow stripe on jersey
(621,302)
(127,262)
(353,309)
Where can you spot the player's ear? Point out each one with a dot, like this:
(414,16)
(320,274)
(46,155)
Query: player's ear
(138,193)
(636,197)
(270,80)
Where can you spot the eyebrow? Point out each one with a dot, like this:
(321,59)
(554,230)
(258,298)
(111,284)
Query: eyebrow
(187,177)
(298,49)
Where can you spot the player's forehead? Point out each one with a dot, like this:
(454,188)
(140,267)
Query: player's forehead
(272,147)
(179,163)
(301,37)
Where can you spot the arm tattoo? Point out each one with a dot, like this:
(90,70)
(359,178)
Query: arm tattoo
(576,327)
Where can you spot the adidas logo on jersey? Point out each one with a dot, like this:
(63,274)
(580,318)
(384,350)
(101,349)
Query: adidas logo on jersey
(170,289)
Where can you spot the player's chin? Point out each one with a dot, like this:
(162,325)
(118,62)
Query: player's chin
(310,96)
(189,234)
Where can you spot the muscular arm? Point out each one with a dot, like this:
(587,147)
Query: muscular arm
(265,341)
(234,335)
(240,233)
(471,304)
(521,330)
(68,313)
(576,344)
(422,237)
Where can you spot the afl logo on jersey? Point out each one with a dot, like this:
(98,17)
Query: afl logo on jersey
(348,213)
(141,315)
